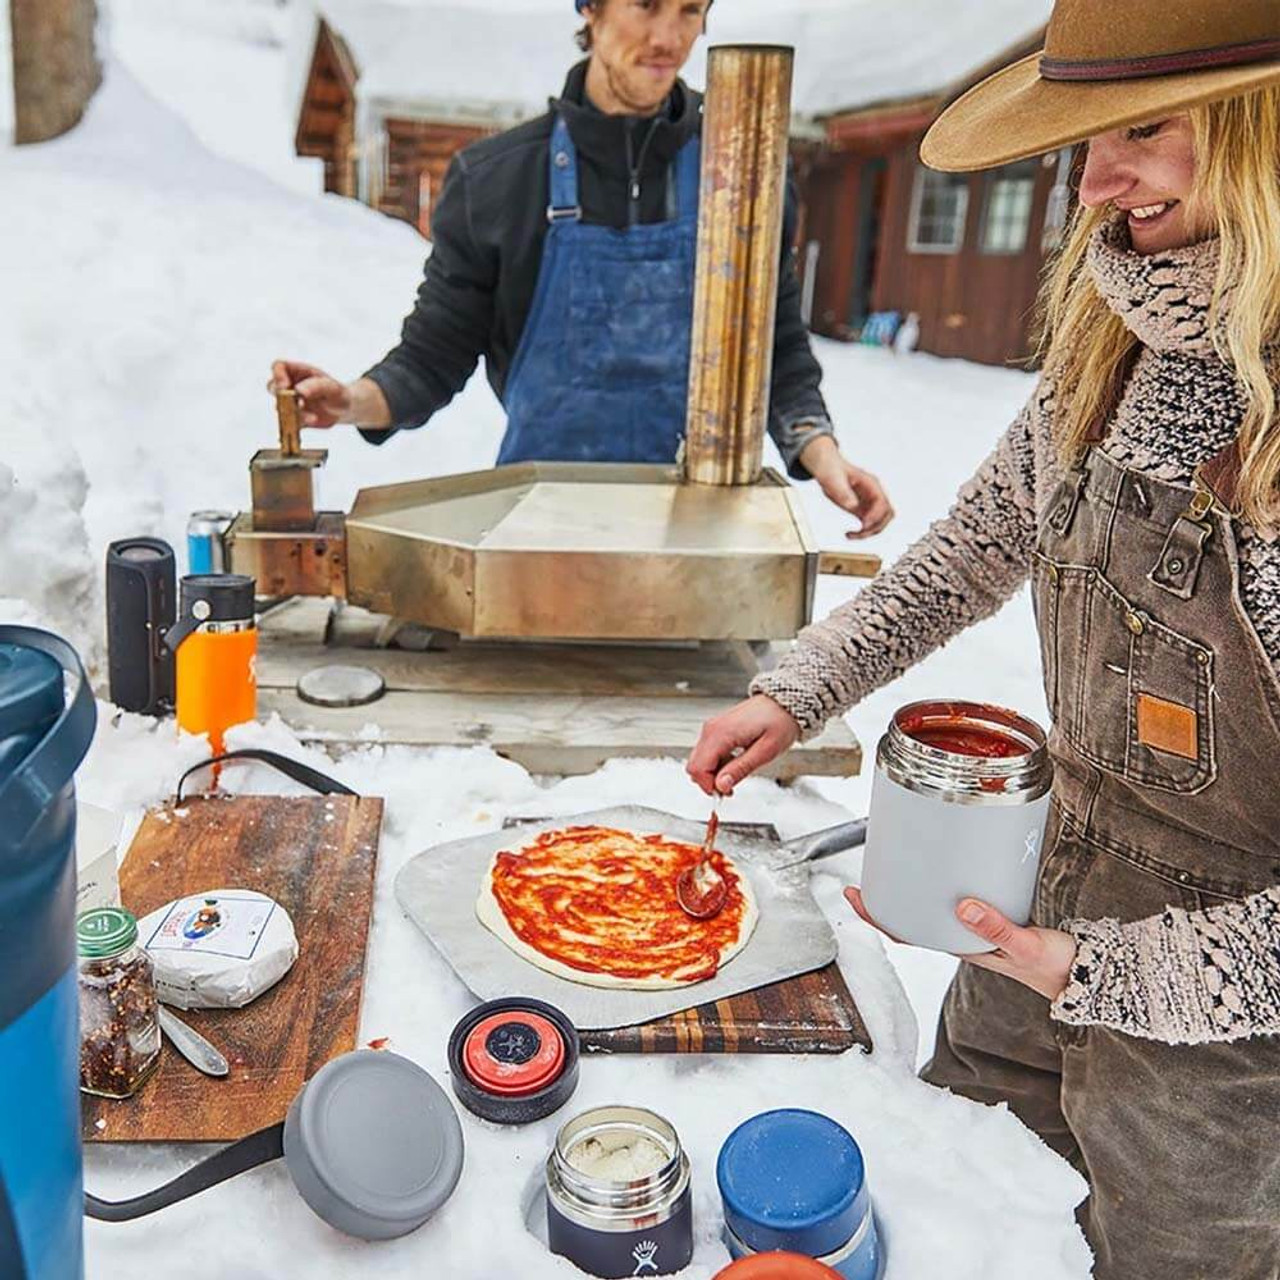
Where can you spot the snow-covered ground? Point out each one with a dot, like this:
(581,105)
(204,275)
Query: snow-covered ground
(152,268)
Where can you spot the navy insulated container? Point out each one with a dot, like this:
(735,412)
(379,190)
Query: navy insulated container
(43,738)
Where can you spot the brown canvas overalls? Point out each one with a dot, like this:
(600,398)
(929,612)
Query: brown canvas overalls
(1166,745)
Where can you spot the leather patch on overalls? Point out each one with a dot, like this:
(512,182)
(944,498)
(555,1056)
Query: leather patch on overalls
(1167,726)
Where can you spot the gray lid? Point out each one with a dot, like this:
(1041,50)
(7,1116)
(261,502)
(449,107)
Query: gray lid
(340,685)
(373,1144)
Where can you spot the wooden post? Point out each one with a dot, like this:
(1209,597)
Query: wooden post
(55,65)
(746,123)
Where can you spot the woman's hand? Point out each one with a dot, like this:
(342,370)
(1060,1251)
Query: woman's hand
(1038,958)
(736,744)
(851,489)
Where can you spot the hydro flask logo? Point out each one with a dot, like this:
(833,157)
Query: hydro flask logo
(1033,846)
(644,1253)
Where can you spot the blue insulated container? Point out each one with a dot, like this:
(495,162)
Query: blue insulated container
(43,738)
(794,1180)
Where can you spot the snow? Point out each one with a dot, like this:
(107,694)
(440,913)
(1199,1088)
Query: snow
(515,52)
(152,270)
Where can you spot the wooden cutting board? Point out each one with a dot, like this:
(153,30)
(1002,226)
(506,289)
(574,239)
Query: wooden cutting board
(814,1013)
(314,855)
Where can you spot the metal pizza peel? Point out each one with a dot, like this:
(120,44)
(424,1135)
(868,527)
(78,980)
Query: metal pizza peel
(438,890)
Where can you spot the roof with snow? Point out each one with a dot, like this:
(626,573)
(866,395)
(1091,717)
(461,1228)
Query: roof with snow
(503,58)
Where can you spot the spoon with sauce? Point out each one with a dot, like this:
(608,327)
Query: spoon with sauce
(701,890)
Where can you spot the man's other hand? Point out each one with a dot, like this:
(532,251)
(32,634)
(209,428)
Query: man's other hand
(851,488)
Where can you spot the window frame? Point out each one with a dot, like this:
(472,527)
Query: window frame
(1029,177)
(923,174)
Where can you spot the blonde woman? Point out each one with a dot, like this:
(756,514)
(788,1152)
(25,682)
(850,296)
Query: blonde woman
(1134,1025)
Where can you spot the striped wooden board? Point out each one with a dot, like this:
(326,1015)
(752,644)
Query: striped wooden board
(814,1013)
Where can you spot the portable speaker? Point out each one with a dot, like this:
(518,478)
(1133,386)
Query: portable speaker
(141,578)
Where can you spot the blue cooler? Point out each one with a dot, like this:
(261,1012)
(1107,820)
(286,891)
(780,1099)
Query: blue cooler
(43,738)
(794,1180)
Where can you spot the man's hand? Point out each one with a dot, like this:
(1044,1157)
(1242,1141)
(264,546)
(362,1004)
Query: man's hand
(850,488)
(325,400)
(736,744)
(1038,958)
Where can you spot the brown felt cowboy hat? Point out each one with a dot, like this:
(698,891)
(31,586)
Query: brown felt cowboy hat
(1106,64)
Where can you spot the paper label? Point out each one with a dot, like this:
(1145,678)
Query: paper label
(222,925)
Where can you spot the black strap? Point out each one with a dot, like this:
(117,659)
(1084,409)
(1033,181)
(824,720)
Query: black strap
(258,1148)
(294,769)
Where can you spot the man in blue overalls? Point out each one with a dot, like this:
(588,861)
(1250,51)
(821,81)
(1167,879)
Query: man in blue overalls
(563,252)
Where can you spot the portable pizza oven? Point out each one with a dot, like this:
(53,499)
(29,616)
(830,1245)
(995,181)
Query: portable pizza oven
(714,548)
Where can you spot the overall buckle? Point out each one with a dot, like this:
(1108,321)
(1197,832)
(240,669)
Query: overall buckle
(1178,564)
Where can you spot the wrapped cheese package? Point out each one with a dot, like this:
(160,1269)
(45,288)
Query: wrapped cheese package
(218,950)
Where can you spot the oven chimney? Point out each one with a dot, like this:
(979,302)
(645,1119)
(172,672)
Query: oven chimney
(745,129)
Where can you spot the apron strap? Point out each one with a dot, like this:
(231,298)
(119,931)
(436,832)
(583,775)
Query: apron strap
(688,178)
(562,161)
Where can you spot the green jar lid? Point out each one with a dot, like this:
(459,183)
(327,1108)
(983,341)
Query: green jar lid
(105,932)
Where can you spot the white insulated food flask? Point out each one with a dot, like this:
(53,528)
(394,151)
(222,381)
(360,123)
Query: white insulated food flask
(958,808)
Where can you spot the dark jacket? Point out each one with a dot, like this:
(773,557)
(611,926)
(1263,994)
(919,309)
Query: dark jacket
(487,232)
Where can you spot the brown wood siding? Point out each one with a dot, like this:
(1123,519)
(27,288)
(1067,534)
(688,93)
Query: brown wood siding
(971,304)
(418,153)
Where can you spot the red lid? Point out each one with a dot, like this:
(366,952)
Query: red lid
(777,1266)
(513,1053)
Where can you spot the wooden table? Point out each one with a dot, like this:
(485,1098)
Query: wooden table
(556,709)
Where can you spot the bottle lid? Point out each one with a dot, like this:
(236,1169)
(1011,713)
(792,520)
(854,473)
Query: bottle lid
(793,1180)
(217,597)
(105,932)
(776,1265)
(373,1145)
(514,1061)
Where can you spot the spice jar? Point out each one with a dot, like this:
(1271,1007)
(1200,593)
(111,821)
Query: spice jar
(618,1197)
(119,1014)
(958,809)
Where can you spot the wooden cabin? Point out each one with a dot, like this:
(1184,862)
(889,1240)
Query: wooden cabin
(390,95)
(962,251)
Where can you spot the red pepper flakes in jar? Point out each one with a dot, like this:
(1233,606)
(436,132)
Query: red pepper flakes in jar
(119,1014)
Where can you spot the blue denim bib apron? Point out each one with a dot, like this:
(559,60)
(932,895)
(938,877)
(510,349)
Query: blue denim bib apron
(602,370)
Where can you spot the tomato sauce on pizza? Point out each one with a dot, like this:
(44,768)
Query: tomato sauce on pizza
(603,901)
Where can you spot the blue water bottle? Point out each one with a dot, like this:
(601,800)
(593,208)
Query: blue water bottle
(43,738)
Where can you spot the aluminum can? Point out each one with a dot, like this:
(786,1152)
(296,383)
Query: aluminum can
(608,1227)
(958,808)
(206,550)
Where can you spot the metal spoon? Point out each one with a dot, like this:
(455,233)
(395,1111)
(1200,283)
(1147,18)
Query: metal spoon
(192,1045)
(701,890)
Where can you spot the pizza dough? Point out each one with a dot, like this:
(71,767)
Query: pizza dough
(597,906)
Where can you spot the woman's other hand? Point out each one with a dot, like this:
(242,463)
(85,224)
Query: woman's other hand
(733,746)
(1038,958)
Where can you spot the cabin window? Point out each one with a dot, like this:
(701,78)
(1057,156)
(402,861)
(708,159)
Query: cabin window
(1006,217)
(938,208)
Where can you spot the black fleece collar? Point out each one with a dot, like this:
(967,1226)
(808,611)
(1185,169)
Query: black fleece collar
(604,138)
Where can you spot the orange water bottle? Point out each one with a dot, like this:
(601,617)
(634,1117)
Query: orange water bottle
(215,643)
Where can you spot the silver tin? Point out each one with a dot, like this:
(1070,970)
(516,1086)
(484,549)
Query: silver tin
(962,779)
(945,826)
(610,1228)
